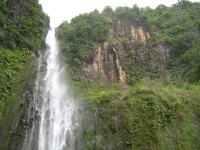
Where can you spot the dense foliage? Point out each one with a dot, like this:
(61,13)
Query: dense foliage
(22,24)
(77,37)
(13,66)
(176,27)
(23,27)
(148,115)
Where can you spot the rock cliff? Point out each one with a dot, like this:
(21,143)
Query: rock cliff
(103,64)
(110,60)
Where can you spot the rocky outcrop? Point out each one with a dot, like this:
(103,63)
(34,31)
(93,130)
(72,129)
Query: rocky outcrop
(162,55)
(139,35)
(130,44)
(128,28)
(103,64)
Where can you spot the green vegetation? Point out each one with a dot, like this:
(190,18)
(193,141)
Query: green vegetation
(147,115)
(22,24)
(150,113)
(13,64)
(23,27)
(160,108)
(77,37)
(176,28)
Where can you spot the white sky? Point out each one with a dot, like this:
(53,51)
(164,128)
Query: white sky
(61,10)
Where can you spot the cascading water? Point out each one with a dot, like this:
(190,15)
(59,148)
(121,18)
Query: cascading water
(56,116)
(58,109)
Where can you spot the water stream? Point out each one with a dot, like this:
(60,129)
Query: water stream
(55,116)
(57,121)
(58,111)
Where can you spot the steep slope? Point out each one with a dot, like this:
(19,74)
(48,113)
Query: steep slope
(149,115)
(156,43)
(155,51)
(23,27)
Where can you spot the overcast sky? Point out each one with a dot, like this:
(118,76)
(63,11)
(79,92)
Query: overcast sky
(61,10)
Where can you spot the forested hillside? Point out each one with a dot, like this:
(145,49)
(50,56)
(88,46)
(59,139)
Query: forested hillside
(153,58)
(136,70)
(23,27)
(175,28)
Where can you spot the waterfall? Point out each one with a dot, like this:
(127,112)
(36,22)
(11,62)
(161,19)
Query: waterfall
(58,119)
(56,115)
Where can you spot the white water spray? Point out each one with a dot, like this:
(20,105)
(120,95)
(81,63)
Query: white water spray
(54,113)
(59,125)
(58,108)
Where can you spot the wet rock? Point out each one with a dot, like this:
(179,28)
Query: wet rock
(37,115)
(23,121)
(21,104)
(33,107)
